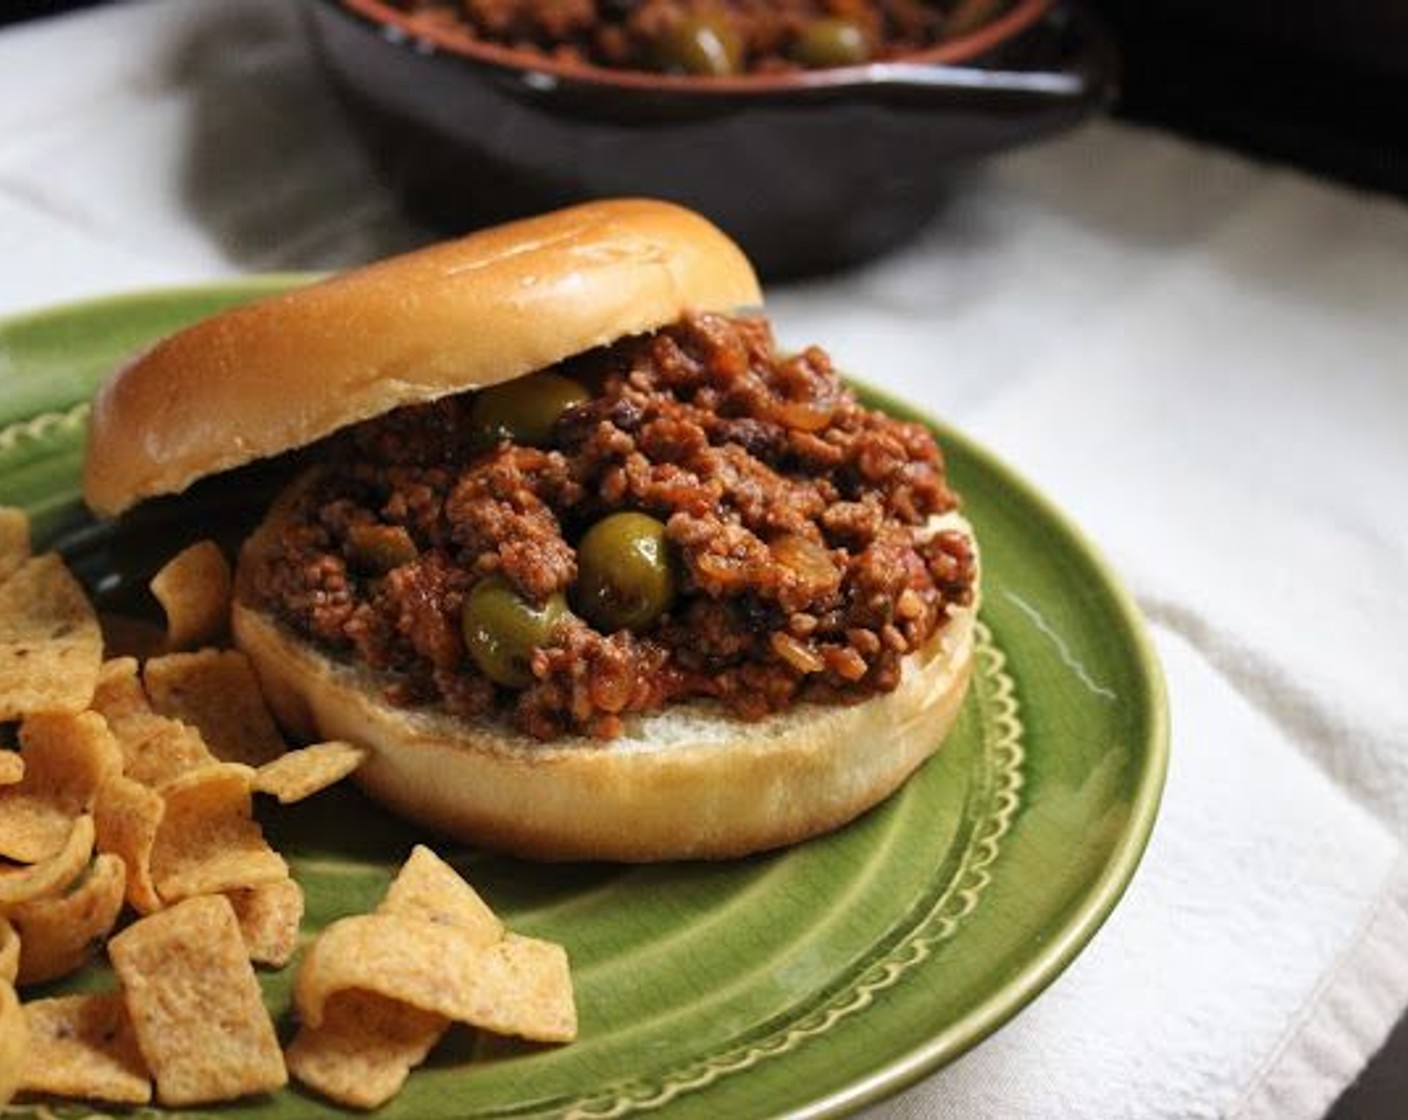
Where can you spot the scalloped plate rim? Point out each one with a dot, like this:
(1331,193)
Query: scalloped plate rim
(1099,903)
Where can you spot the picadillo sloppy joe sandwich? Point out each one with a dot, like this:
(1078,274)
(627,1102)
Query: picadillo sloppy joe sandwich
(593,568)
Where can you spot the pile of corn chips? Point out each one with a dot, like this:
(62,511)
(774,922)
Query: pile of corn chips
(131,796)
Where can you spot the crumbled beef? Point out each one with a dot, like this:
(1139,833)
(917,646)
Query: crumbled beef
(629,34)
(799,519)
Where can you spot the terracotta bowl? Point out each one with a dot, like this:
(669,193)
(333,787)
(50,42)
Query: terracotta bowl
(809,172)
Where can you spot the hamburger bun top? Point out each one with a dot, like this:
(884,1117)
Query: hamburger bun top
(282,372)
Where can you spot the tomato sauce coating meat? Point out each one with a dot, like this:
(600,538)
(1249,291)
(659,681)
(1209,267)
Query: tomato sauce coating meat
(797,520)
(709,37)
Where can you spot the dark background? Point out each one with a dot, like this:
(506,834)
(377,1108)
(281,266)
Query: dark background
(1317,84)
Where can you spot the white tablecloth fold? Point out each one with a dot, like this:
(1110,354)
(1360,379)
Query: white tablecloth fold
(1200,358)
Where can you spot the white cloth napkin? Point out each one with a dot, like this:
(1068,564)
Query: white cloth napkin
(1197,356)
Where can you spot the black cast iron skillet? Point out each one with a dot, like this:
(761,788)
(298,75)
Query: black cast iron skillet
(809,171)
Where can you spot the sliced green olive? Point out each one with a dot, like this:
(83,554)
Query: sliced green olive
(831,42)
(502,629)
(524,410)
(703,45)
(378,549)
(626,577)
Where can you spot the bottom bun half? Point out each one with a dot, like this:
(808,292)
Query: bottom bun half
(690,782)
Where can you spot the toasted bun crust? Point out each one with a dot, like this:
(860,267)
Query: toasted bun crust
(280,373)
(690,782)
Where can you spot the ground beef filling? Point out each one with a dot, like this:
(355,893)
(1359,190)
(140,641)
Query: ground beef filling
(796,519)
(710,37)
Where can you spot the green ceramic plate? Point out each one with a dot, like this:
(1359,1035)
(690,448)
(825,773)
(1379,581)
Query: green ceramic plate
(807,982)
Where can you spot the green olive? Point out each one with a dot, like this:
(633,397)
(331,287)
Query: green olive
(502,629)
(626,577)
(831,42)
(703,45)
(524,410)
(378,549)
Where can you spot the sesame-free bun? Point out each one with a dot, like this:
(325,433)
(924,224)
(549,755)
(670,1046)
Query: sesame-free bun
(278,374)
(688,782)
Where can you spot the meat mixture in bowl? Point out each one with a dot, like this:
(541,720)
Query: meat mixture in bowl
(681,515)
(711,37)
